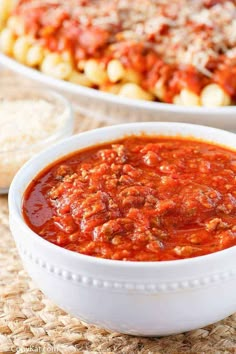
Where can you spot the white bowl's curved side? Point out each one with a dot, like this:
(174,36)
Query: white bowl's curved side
(105,106)
(143,301)
(131,297)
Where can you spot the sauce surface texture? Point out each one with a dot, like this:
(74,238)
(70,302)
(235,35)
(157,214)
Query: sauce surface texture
(138,199)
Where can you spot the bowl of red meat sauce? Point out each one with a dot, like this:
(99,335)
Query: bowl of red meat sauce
(132,227)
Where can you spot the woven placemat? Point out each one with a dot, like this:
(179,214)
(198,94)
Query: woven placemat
(30,323)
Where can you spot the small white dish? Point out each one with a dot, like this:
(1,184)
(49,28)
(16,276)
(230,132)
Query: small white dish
(21,141)
(139,298)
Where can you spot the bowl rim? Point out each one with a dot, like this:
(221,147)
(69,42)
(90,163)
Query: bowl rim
(68,124)
(108,97)
(15,208)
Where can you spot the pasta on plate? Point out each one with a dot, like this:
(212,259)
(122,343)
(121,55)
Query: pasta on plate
(181,52)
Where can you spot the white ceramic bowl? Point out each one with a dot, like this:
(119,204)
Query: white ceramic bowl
(152,298)
(114,109)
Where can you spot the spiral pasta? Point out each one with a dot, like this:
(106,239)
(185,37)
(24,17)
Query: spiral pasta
(112,58)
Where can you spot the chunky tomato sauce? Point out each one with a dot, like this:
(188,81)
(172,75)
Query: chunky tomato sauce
(138,199)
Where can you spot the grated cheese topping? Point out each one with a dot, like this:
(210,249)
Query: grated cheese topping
(180,31)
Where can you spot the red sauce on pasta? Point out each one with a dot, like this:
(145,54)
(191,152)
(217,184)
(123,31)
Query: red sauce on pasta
(158,54)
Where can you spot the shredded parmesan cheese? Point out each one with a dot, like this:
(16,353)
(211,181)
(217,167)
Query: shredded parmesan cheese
(25,125)
(197,31)
(180,43)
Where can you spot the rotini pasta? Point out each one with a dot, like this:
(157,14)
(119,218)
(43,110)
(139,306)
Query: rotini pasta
(115,70)
(189,98)
(214,95)
(135,91)
(7,41)
(95,73)
(136,61)
(21,48)
(5,10)
(35,55)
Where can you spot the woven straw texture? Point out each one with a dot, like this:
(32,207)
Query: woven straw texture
(30,323)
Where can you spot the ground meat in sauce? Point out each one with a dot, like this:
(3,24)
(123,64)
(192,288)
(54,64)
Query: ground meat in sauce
(138,199)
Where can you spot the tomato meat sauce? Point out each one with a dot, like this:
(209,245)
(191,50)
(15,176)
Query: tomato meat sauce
(138,199)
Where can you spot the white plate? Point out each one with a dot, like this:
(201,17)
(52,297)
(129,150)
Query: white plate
(105,106)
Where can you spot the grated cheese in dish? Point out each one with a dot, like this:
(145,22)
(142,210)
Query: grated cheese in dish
(25,125)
